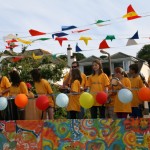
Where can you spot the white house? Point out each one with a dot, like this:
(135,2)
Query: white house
(117,60)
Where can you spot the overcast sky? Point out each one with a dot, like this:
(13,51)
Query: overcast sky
(18,17)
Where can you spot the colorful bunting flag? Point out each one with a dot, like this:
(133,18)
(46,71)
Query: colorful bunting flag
(110,37)
(131,42)
(11,46)
(100,21)
(135,36)
(36,57)
(11,41)
(24,41)
(79,31)
(60,40)
(103,45)
(78,49)
(85,39)
(16,59)
(131,14)
(59,34)
(63,28)
(35,32)
(41,39)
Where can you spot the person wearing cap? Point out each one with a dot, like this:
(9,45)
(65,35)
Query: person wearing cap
(83,86)
(121,109)
(136,84)
(98,81)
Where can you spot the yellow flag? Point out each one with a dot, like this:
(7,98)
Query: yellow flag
(85,39)
(37,57)
(130,14)
(24,41)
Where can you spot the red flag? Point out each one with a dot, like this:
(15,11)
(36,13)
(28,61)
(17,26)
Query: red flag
(78,31)
(16,59)
(103,45)
(9,47)
(35,32)
(11,41)
(60,40)
(132,11)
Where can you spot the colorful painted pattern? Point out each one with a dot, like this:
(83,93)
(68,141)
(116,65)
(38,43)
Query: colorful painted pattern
(21,135)
(67,134)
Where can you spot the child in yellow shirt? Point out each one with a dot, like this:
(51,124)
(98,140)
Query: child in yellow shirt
(97,82)
(75,83)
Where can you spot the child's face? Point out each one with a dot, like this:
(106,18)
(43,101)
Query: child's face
(95,67)
(131,71)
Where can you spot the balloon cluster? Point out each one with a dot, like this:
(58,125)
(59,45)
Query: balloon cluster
(86,100)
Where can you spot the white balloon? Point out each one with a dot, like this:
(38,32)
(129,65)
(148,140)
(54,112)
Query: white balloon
(125,96)
(3,103)
(62,100)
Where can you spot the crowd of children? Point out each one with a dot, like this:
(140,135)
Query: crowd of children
(76,83)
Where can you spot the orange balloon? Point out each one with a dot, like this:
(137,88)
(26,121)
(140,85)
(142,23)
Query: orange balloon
(21,100)
(144,94)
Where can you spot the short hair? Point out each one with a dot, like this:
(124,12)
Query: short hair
(134,67)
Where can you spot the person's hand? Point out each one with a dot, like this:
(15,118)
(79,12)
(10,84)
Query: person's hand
(81,89)
(119,83)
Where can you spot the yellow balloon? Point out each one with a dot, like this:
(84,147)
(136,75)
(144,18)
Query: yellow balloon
(86,100)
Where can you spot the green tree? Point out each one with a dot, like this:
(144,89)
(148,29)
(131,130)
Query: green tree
(63,57)
(50,69)
(79,56)
(144,53)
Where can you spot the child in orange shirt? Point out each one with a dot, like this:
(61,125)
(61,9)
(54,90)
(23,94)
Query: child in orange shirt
(121,109)
(97,82)
(43,87)
(136,84)
(75,83)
